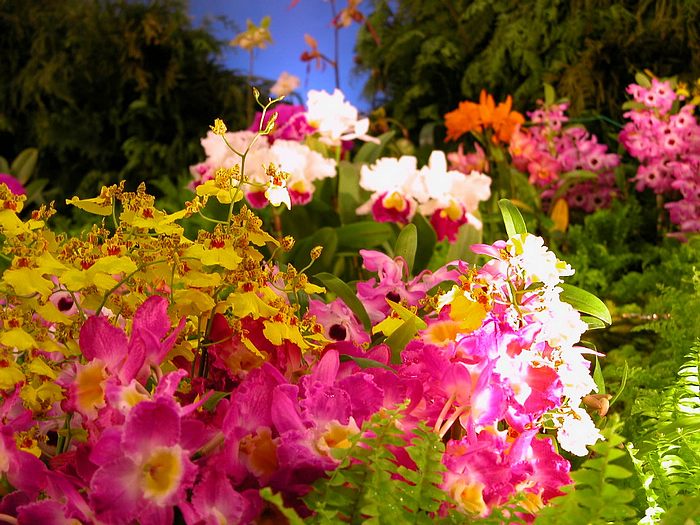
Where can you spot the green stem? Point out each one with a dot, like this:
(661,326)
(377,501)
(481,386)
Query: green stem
(217,221)
(64,440)
(124,280)
(208,447)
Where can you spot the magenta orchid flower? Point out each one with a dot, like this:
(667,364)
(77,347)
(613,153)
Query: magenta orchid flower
(143,468)
(338,321)
(113,357)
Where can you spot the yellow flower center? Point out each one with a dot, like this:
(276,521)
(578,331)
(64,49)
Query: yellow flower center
(469,496)
(336,436)
(453,211)
(394,200)
(162,472)
(90,394)
(532,502)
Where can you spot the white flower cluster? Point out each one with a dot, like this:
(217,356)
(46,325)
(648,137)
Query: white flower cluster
(431,188)
(335,119)
(561,329)
(303,164)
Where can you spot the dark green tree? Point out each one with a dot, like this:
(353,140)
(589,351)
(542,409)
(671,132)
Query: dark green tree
(109,89)
(435,53)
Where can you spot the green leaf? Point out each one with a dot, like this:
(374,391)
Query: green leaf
(4,166)
(427,135)
(406,245)
(426,242)
(623,383)
(350,195)
(460,248)
(345,293)
(585,302)
(370,152)
(365,362)
(398,340)
(210,404)
(23,166)
(513,219)
(570,179)
(643,80)
(325,237)
(549,94)
(616,472)
(686,512)
(598,376)
(363,234)
(593,322)
(276,499)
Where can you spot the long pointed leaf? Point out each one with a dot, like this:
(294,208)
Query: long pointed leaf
(460,248)
(515,224)
(585,302)
(24,164)
(406,245)
(426,242)
(398,340)
(345,293)
(363,234)
(370,152)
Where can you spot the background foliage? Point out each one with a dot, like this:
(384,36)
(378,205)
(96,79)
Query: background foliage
(434,54)
(109,89)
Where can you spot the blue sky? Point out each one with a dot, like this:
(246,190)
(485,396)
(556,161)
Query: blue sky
(288,28)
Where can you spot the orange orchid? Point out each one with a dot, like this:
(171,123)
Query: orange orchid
(314,54)
(470,116)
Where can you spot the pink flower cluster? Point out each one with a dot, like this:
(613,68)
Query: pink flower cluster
(495,364)
(665,139)
(548,149)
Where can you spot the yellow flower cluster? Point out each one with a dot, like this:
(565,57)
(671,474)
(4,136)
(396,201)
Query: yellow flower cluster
(53,282)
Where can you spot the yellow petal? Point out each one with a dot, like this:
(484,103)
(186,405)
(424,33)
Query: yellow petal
(17,338)
(95,205)
(28,281)
(38,366)
(560,215)
(468,313)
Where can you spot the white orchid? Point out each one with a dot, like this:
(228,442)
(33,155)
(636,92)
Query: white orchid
(335,118)
(277,192)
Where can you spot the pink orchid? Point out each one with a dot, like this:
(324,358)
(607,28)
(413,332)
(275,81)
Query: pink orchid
(390,283)
(290,124)
(338,321)
(24,471)
(12,184)
(215,501)
(143,467)
(114,358)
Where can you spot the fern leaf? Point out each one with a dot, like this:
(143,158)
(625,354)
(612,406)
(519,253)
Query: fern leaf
(422,493)
(371,486)
(599,494)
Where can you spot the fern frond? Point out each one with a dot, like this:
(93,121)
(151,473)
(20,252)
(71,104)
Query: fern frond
(668,458)
(422,493)
(599,494)
(686,512)
(370,486)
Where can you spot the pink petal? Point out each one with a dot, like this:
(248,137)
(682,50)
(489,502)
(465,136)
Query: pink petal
(46,512)
(151,424)
(152,316)
(115,492)
(99,339)
(214,497)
